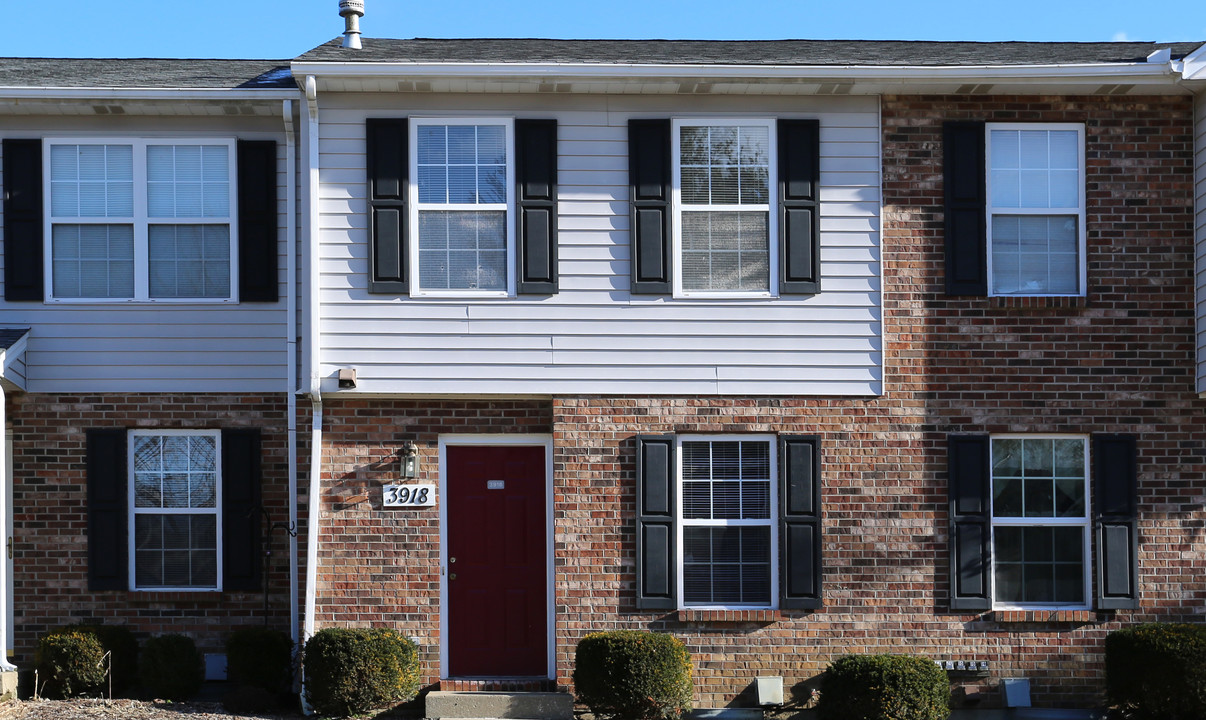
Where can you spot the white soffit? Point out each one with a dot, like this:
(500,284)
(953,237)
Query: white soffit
(92,101)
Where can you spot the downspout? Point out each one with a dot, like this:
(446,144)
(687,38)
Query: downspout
(5,534)
(291,350)
(313,339)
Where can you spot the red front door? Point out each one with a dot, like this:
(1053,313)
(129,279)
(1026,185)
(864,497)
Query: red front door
(496,561)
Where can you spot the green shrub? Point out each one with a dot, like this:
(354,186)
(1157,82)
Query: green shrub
(119,642)
(172,667)
(1158,670)
(350,671)
(633,675)
(259,657)
(69,664)
(884,687)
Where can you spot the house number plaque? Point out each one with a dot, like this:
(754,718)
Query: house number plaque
(408,495)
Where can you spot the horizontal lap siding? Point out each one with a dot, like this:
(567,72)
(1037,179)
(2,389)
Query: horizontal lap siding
(593,336)
(157,347)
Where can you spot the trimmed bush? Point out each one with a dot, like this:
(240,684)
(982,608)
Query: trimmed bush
(259,657)
(884,687)
(352,671)
(119,642)
(69,664)
(633,675)
(172,667)
(1158,670)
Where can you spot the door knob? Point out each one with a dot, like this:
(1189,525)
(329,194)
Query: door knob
(452,576)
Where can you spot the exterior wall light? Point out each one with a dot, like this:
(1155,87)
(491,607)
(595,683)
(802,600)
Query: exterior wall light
(409,454)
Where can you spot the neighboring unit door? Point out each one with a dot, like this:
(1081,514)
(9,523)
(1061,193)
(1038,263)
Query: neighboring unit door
(496,565)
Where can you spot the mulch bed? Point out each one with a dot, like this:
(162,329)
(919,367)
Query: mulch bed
(90,709)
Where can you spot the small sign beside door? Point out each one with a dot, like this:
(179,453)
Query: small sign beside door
(412,495)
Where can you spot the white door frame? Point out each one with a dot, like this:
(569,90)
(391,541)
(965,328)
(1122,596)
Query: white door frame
(540,440)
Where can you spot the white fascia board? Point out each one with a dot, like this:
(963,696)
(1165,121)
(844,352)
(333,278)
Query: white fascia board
(1113,72)
(100,93)
(1193,67)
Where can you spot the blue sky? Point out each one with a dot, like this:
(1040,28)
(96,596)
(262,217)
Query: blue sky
(285,28)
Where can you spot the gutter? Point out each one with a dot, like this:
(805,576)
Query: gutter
(93,93)
(1154,70)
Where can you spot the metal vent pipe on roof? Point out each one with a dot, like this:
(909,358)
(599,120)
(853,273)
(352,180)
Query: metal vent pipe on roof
(351,11)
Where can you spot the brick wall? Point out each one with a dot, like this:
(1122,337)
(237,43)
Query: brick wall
(50,519)
(1118,360)
(382,566)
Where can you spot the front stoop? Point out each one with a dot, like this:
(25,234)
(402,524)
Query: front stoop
(513,706)
(8,685)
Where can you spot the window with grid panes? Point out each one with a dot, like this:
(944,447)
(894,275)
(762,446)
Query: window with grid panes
(1036,209)
(728,533)
(175,482)
(1040,521)
(722,210)
(140,219)
(463,205)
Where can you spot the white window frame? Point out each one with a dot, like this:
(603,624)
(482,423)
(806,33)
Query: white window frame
(773,521)
(772,206)
(991,210)
(140,220)
(1084,522)
(132,510)
(414,206)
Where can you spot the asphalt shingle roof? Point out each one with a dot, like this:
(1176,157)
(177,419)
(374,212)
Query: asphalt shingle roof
(740,52)
(10,336)
(145,73)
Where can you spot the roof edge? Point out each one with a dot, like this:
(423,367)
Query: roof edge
(647,71)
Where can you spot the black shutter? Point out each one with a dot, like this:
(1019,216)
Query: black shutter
(800,522)
(964,208)
(799,231)
(385,145)
(968,473)
(656,584)
(108,552)
(23,269)
(536,201)
(1115,506)
(649,205)
(257,221)
(241,556)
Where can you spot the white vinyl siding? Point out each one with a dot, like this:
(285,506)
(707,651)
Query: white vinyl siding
(193,346)
(593,336)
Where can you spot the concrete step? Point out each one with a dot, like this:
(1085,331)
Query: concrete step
(509,705)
